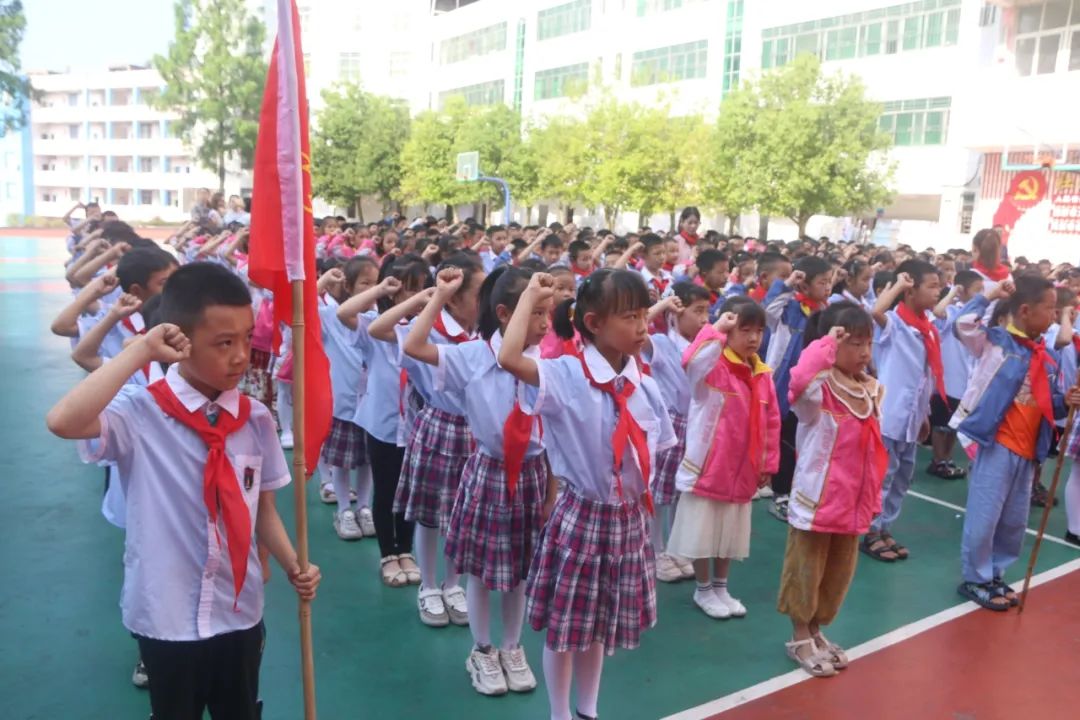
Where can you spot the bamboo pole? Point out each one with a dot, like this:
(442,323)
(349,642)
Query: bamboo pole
(1046,510)
(307,659)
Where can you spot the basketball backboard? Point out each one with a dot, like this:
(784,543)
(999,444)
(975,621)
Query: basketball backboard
(468,166)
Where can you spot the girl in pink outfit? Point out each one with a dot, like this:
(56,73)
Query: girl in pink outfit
(553,346)
(732,449)
(836,492)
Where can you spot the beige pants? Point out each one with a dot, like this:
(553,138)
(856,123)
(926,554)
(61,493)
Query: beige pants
(818,568)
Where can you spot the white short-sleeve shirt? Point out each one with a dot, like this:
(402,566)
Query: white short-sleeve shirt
(348,374)
(581,419)
(472,371)
(178,582)
(422,375)
(378,411)
(665,363)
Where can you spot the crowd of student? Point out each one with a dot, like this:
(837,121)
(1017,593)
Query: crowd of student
(571,414)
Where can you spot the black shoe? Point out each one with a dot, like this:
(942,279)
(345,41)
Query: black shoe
(1072,539)
(1040,496)
(583,716)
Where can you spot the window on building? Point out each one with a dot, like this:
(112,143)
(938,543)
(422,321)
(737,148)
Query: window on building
(488,93)
(732,46)
(561,81)
(1047,37)
(9,191)
(889,30)
(73,99)
(988,15)
(473,44)
(400,62)
(564,19)
(75,163)
(146,130)
(73,131)
(670,64)
(648,7)
(146,197)
(146,164)
(923,121)
(349,67)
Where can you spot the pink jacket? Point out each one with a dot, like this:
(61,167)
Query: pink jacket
(840,459)
(717,464)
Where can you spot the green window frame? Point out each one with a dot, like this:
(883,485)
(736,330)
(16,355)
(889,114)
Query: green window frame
(558,82)
(565,19)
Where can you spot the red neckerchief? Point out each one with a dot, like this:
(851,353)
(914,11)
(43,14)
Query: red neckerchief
(579,272)
(440,327)
(626,430)
(809,305)
(757,293)
(870,437)
(931,341)
(660,284)
(669,266)
(126,322)
(571,347)
(221,492)
(517,431)
(996,273)
(745,372)
(1037,377)
(403,380)
(690,240)
(714,296)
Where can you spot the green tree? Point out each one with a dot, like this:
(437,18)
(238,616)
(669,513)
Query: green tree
(356,147)
(561,154)
(688,149)
(429,158)
(214,75)
(495,132)
(15,90)
(799,143)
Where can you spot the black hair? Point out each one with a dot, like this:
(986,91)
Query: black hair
(494,229)
(812,266)
(502,287)
(533,264)
(1065,298)
(468,262)
(355,266)
(846,314)
(651,240)
(151,311)
(136,266)
(410,269)
(708,258)
(576,248)
(325,265)
(882,279)
(605,292)
(747,312)
(983,235)
(965,278)
(767,262)
(549,241)
(1030,289)
(197,286)
(689,212)
(689,292)
(917,269)
(555,270)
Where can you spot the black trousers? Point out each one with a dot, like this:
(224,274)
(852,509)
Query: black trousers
(220,674)
(394,533)
(781,482)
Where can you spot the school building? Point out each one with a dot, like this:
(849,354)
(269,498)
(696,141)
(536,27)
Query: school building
(964,83)
(95,137)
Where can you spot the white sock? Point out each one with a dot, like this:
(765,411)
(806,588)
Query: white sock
(587,668)
(324,472)
(426,544)
(363,486)
(558,670)
(452,578)
(340,478)
(719,587)
(1072,499)
(284,403)
(479,599)
(513,614)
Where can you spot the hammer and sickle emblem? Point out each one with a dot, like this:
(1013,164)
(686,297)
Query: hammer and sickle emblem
(1028,189)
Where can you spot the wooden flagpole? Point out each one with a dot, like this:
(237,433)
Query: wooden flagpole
(307,658)
(1046,510)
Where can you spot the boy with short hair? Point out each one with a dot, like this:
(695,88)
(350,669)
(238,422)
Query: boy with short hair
(581,259)
(200,461)
(712,272)
(1009,410)
(911,369)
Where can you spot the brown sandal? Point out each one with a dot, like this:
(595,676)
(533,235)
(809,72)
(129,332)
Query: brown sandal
(392,574)
(901,551)
(875,545)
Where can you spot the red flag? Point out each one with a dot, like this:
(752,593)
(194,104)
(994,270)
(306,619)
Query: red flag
(1027,189)
(282,246)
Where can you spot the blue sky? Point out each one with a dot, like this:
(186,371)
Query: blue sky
(77,34)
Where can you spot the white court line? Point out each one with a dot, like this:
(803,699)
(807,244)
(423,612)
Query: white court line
(881,642)
(1046,536)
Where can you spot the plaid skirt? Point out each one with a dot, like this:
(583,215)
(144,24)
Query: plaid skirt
(491,535)
(346,446)
(1072,447)
(593,577)
(667,464)
(431,471)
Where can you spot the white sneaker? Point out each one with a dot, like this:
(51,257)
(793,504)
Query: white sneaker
(763,492)
(345,525)
(458,608)
(486,672)
(286,441)
(139,677)
(711,605)
(519,676)
(666,569)
(685,565)
(327,494)
(432,610)
(367,522)
(736,608)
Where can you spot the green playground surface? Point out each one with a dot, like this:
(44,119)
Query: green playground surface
(66,654)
